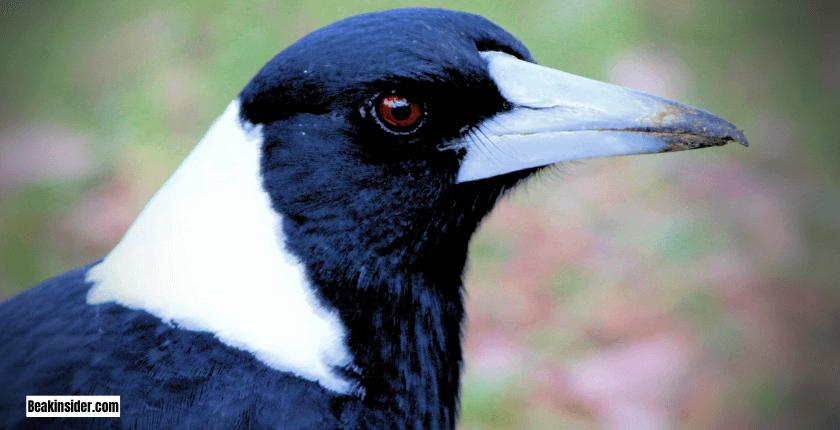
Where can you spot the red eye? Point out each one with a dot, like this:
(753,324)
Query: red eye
(398,114)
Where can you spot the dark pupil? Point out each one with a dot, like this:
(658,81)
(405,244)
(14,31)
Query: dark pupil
(401,111)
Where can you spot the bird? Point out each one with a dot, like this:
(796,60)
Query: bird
(303,267)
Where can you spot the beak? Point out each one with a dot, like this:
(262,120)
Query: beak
(558,116)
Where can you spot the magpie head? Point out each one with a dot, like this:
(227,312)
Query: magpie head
(400,129)
(363,126)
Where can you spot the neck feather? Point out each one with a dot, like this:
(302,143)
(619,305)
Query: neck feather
(403,326)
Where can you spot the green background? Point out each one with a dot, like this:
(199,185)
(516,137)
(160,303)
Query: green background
(686,290)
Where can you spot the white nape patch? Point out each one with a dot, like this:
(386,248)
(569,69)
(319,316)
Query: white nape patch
(208,253)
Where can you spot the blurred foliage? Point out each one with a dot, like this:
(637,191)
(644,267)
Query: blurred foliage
(724,263)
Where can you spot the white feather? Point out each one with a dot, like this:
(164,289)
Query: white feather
(208,253)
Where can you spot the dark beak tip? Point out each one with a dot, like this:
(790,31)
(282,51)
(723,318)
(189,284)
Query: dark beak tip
(682,139)
(726,133)
(737,136)
(740,138)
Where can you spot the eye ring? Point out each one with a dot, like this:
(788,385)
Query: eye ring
(398,115)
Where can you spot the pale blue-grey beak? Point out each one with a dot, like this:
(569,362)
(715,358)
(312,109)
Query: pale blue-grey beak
(558,116)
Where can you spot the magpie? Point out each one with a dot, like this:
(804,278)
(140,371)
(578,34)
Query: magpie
(302,268)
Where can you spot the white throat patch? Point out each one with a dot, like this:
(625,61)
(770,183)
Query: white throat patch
(208,253)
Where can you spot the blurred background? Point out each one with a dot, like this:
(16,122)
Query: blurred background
(693,290)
